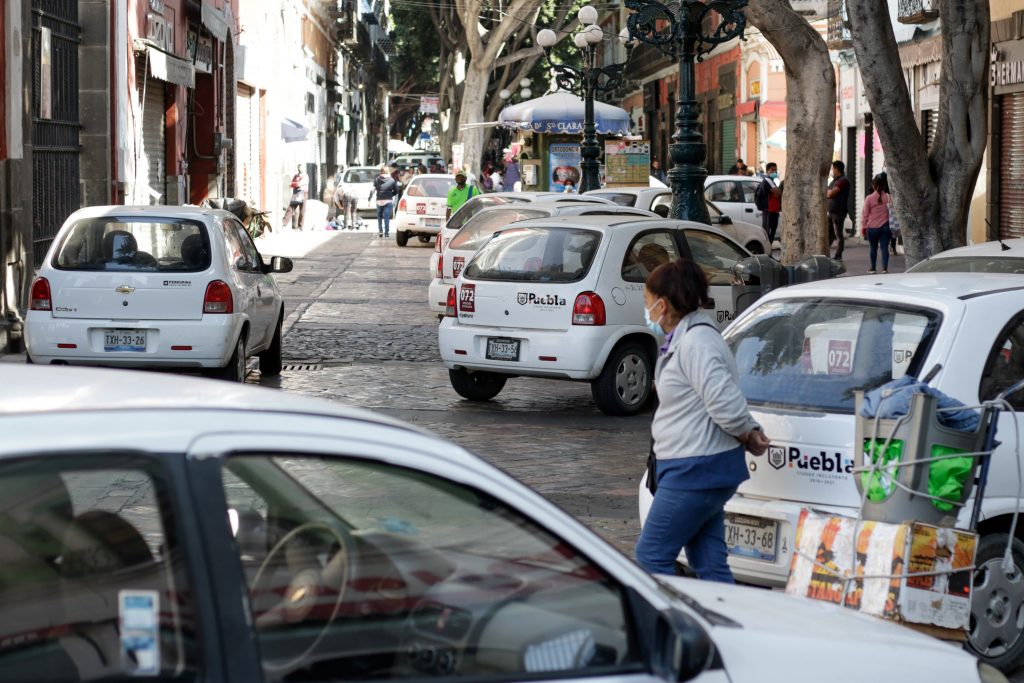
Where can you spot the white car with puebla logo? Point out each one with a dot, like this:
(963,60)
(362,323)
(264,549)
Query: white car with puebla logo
(156,286)
(477,230)
(562,298)
(423,207)
(801,353)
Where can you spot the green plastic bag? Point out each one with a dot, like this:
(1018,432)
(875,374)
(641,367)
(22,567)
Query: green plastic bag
(946,478)
(880,484)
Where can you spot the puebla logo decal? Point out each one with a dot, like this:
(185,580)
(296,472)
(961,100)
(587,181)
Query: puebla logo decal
(524,298)
(777,457)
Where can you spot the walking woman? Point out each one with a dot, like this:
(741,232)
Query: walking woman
(874,223)
(700,429)
(384,188)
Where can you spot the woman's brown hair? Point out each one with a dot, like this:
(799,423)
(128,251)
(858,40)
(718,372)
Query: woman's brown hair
(682,283)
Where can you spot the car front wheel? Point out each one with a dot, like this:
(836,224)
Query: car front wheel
(401,237)
(996,633)
(234,371)
(476,386)
(624,385)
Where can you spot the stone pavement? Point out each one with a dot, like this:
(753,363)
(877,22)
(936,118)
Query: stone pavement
(357,314)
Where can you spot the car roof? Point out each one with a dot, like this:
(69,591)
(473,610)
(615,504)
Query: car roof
(565,208)
(35,389)
(716,178)
(158,211)
(996,248)
(610,223)
(922,286)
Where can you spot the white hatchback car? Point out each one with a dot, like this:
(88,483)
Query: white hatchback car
(156,286)
(423,207)
(357,181)
(734,195)
(802,351)
(1005,256)
(562,298)
(141,540)
(659,201)
(465,242)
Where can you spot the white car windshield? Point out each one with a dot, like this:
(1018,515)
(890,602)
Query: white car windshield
(815,354)
(132,244)
(970,264)
(536,255)
(482,226)
(360,175)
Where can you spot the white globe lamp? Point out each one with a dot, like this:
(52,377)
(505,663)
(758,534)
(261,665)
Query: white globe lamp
(546,38)
(587,15)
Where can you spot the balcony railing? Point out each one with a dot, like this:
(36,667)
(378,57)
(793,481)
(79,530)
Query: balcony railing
(838,26)
(917,11)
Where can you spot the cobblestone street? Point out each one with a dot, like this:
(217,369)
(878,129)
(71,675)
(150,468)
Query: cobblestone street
(358,331)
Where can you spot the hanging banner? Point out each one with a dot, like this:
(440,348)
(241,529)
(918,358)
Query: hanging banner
(429,105)
(457,157)
(564,162)
(627,162)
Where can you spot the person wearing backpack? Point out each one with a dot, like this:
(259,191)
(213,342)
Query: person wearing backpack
(768,199)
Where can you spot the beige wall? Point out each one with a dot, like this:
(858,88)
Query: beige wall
(1003,9)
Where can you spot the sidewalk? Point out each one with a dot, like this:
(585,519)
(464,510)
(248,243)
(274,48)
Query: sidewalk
(857,259)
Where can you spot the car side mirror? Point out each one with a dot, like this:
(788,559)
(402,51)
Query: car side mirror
(688,650)
(279,264)
(724,220)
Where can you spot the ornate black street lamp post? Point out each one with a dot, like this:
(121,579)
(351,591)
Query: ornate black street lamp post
(588,82)
(677,31)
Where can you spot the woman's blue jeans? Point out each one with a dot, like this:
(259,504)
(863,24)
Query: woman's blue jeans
(691,519)
(880,237)
(384,219)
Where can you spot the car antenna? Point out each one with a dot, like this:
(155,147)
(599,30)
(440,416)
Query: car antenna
(1002,244)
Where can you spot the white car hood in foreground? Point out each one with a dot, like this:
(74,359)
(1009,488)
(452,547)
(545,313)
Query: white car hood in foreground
(782,638)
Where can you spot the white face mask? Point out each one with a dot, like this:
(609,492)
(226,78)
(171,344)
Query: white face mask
(654,325)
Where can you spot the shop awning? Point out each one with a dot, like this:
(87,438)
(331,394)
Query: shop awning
(562,112)
(293,131)
(170,68)
(215,22)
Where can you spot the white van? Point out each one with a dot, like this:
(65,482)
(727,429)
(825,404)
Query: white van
(801,353)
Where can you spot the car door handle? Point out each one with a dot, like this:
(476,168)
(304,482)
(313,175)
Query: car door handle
(749,210)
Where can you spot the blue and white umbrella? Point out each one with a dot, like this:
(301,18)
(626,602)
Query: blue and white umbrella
(562,112)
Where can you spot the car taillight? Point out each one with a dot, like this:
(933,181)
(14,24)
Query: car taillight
(449,309)
(218,298)
(401,205)
(440,266)
(437,245)
(588,310)
(40,298)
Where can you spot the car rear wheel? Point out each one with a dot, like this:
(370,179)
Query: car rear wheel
(996,633)
(401,237)
(624,385)
(270,360)
(476,386)
(234,371)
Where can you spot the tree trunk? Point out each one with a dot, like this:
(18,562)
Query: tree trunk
(810,125)
(932,192)
(474,93)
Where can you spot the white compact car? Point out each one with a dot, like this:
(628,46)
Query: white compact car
(1005,256)
(358,182)
(659,200)
(734,195)
(562,298)
(422,210)
(142,541)
(448,264)
(156,286)
(801,352)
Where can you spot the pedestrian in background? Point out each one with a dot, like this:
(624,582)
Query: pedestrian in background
(699,432)
(569,186)
(296,211)
(768,198)
(458,195)
(658,172)
(874,223)
(838,194)
(497,182)
(385,189)
(739,168)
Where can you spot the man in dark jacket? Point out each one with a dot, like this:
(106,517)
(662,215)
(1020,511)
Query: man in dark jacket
(385,189)
(838,206)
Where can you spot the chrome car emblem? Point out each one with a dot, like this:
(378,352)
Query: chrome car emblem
(124,289)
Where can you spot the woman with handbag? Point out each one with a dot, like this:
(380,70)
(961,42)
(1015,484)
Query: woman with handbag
(700,429)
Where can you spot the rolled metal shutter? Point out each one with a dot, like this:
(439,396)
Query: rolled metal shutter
(151,169)
(728,145)
(245,169)
(1011,167)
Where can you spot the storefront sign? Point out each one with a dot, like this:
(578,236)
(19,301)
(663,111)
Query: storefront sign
(458,155)
(200,51)
(755,88)
(564,162)
(159,32)
(627,162)
(429,105)
(1005,72)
